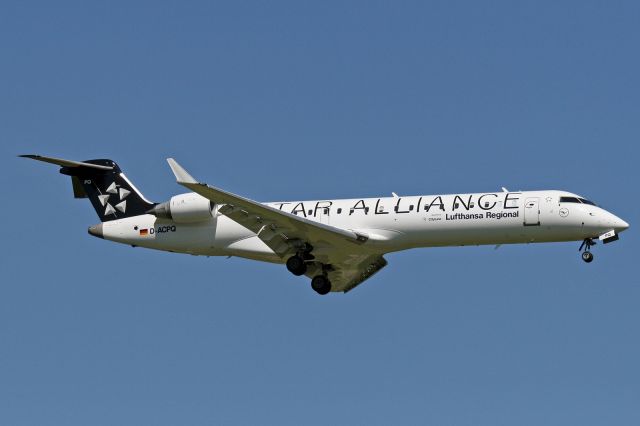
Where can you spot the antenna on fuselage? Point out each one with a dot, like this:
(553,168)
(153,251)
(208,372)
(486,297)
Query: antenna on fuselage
(504,189)
(394,195)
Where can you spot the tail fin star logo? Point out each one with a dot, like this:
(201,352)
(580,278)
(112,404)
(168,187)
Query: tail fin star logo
(114,189)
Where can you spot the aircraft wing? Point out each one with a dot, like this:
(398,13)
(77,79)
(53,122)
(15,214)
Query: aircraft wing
(285,233)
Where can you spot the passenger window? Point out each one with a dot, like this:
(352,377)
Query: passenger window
(339,211)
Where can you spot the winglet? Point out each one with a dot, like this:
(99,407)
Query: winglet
(182,176)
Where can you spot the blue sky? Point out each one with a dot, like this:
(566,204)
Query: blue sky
(304,100)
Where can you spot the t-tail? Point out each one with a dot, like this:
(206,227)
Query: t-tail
(112,195)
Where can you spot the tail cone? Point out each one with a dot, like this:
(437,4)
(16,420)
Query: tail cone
(96,230)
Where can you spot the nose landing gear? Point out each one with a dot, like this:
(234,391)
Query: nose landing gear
(587,256)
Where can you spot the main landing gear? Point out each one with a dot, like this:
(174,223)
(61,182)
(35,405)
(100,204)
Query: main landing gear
(298,265)
(321,284)
(587,256)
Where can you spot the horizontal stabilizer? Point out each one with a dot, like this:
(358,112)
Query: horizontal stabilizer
(66,163)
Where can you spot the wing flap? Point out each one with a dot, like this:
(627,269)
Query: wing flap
(351,270)
(367,269)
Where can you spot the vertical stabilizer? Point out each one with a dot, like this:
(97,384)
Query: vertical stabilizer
(112,195)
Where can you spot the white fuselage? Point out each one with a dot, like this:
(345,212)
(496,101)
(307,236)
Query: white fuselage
(391,224)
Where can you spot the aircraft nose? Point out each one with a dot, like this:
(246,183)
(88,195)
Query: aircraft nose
(96,230)
(620,225)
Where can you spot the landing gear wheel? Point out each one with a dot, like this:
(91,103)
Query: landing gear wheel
(296,265)
(321,284)
(587,256)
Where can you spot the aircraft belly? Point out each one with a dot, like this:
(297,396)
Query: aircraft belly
(236,240)
(162,234)
(506,234)
(440,229)
(448,230)
(217,237)
(252,247)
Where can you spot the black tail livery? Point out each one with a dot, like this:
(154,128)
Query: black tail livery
(103,183)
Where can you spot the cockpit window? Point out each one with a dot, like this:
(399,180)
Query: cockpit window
(569,200)
(576,200)
(585,201)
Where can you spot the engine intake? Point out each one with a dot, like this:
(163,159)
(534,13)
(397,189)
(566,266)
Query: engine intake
(185,208)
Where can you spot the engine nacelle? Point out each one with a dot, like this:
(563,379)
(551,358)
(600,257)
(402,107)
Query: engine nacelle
(185,208)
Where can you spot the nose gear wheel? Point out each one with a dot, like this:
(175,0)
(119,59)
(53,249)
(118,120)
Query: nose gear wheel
(587,256)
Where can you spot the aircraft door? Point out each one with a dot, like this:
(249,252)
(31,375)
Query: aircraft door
(532,212)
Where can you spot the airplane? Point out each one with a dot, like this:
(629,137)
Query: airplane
(337,243)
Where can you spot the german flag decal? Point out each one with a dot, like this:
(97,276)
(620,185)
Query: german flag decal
(144,232)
